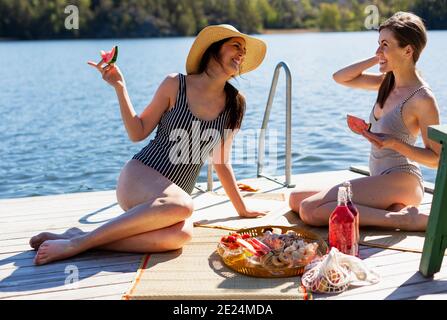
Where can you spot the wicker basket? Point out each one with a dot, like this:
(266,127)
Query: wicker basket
(242,266)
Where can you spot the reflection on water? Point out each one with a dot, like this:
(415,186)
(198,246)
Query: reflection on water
(61,129)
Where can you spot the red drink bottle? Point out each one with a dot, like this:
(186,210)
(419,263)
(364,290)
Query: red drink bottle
(356,214)
(342,226)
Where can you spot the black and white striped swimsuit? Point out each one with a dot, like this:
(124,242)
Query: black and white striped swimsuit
(182,142)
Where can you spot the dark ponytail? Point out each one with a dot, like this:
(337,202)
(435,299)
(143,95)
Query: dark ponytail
(385,88)
(408,29)
(235,101)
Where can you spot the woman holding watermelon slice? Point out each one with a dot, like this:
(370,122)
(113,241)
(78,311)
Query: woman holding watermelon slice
(154,187)
(405,107)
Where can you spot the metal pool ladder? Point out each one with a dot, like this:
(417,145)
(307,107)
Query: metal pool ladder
(268,108)
(261,145)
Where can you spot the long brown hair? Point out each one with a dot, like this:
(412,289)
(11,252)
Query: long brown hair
(408,29)
(235,101)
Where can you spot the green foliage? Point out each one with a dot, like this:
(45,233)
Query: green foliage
(45,19)
(434,13)
(330,17)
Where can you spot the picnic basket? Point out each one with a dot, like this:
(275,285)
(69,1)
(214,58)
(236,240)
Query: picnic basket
(243,267)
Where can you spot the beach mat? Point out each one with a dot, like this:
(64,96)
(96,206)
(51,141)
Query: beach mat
(196,272)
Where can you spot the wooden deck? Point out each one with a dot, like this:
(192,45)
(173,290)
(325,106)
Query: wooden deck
(107,275)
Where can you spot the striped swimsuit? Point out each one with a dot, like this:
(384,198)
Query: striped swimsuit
(384,161)
(182,142)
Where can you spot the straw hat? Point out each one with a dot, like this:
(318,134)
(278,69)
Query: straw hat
(256,48)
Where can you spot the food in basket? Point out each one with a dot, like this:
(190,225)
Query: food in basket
(335,272)
(236,247)
(271,250)
(288,250)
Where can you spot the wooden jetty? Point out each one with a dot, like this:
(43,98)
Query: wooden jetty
(108,275)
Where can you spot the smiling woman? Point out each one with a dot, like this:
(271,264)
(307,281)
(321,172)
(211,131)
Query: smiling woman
(405,107)
(200,109)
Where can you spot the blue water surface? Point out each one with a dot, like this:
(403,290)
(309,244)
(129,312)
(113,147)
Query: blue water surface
(61,129)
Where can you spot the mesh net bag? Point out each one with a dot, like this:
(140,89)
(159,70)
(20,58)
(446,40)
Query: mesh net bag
(335,272)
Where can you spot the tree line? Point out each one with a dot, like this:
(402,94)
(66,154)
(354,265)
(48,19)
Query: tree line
(46,19)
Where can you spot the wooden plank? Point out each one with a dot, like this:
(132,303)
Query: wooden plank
(43,199)
(79,217)
(26,260)
(9,206)
(438,296)
(94,287)
(79,294)
(374,252)
(6,244)
(53,224)
(59,266)
(115,296)
(86,217)
(406,291)
(64,209)
(394,275)
(55,280)
(30,233)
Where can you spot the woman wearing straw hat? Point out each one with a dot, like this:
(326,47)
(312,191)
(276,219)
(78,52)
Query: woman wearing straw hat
(194,114)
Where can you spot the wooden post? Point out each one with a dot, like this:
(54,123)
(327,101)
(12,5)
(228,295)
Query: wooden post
(436,233)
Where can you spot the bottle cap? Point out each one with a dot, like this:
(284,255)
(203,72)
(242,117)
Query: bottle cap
(347,185)
(342,195)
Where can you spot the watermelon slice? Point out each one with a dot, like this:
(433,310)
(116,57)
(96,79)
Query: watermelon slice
(249,247)
(357,125)
(111,56)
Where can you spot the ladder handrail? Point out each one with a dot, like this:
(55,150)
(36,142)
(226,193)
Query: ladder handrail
(261,147)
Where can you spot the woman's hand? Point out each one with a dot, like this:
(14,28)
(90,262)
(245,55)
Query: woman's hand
(381,140)
(355,76)
(375,60)
(110,73)
(247,213)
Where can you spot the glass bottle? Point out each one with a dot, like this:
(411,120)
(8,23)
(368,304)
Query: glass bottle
(342,226)
(356,214)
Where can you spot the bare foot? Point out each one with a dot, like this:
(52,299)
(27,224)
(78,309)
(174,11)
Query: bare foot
(36,241)
(53,250)
(415,220)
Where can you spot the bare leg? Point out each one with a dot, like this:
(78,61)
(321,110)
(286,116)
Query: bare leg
(376,197)
(310,188)
(157,214)
(165,208)
(408,219)
(297,196)
(170,238)
(154,241)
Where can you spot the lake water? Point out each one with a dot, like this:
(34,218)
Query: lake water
(61,130)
